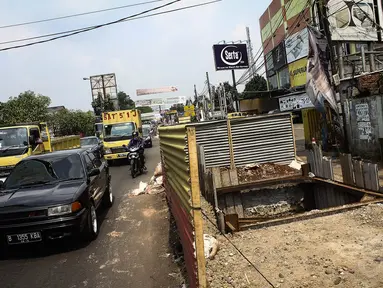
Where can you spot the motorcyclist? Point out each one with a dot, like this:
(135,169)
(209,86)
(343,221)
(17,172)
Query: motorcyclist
(137,141)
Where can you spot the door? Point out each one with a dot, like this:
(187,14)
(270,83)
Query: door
(95,186)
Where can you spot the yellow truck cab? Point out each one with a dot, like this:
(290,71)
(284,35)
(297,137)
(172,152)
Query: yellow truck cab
(22,140)
(118,127)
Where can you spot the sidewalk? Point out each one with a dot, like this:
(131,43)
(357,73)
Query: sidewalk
(302,153)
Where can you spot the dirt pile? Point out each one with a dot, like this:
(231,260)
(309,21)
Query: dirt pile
(259,172)
(342,250)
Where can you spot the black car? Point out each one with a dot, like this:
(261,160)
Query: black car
(93,144)
(147,137)
(51,196)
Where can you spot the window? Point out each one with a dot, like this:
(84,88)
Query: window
(95,160)
(40,170)
(284,78)
(273,82)
(88,162)
(89,141)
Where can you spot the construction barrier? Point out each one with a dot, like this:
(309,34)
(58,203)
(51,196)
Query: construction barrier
(181,179)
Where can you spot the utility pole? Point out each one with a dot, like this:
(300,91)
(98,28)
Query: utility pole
(208,85)
(250,52)
(325,25)
(235,90)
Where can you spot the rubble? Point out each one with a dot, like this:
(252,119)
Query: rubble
(257,172)
(155,185)
(331,251)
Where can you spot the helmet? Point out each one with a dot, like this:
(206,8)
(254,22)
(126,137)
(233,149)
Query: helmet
(135,134)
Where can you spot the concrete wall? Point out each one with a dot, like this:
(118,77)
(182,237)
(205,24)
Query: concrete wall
(365,115)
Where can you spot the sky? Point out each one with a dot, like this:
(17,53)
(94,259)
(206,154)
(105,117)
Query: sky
(174,49)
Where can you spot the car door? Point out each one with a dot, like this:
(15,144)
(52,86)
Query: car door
(95,188)
(98,163)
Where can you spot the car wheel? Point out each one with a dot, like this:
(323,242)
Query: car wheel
(91,229)
(108,195)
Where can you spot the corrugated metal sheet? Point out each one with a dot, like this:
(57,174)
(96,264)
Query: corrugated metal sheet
(263,139)
(173,147)
(214,139)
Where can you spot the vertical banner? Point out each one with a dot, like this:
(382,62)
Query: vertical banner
(318,85)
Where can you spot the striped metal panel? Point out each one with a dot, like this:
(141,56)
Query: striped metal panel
(263,139)
(214,139)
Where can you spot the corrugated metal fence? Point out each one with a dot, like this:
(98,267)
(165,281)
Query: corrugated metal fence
(241,141)
(181,179)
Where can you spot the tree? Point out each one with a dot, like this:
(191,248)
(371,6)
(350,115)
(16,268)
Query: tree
(124,101)
(145,109)
(27,107)
(178,107)
(257,83)
(72,122)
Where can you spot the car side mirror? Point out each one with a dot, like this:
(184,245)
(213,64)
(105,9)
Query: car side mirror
(1,184)
(140,130)
(94,172)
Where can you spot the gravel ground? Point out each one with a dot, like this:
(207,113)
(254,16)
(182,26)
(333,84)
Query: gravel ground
(342,250)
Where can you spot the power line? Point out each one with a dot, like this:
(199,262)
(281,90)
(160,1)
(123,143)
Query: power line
(246,76)
(79,14)
(125,19)
(238,250)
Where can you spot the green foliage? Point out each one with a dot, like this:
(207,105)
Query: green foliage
(72,122)
(124,101)
(145,109)
(178,107)
(257,83)
(27,107)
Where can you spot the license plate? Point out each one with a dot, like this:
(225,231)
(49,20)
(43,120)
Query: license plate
(24,238)
(121,155)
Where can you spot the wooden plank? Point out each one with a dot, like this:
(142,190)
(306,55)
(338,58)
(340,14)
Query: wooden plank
(366,175)
(217,177)
(328,172)
(230,207)
(318,160)
(347,169)
(222,204)
(238,204)
(232,219)
(196,207)
(234,177)
(358,173)
(225,176)
(231,147)
(352,188)
(374,177)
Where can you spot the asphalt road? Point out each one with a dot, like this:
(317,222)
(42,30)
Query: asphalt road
(131,250)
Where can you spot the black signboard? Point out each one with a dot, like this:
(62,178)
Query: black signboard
(230,56)
(279,56)
(270,71)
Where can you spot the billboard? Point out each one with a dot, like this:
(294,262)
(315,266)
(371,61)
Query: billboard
(297,46)
(352,20)
(297,71)
(279,56)
(230,56)
(161,101)
(141,92)
(141,103)
(295,102)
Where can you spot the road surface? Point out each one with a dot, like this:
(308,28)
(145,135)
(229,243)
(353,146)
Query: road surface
(131,250)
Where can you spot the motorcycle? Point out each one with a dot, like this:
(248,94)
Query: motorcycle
(135,163)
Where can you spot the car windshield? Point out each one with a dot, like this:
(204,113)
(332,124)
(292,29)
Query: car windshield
(89,141)
(145,131)
(13,137)
(119,131)
(40,171)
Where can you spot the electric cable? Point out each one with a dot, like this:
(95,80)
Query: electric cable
(125,19)
(238,250)
(79,14)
